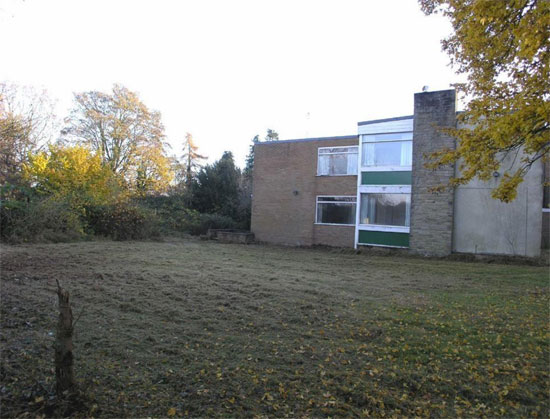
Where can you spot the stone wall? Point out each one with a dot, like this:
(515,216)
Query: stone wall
(285,187)
(431,213)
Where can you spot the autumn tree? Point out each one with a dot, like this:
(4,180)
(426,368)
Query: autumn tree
(191,159)
(27,122)
(128,135)
(73,173)
(503,48)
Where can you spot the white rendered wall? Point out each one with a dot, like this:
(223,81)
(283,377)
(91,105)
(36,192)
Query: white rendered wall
(485,225)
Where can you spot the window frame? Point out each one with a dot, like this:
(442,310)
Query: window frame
(378,138)
(329,202)
(340,152)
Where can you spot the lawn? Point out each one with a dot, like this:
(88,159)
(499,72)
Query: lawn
(188,327)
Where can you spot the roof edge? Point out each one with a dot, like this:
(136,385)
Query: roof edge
(376,121)
(300,140)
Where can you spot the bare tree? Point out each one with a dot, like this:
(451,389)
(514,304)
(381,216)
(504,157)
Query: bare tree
(27,123)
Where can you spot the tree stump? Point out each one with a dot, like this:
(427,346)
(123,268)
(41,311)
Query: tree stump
(64,374)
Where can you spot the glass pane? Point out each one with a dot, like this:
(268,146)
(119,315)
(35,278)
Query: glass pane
(385,209)
(336,213)
(397,153)
(352,164)
(338,164)
(342,163)
(322,165)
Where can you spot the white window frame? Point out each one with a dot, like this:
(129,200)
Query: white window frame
(333,202)
(390,189)
(339,152)
(366,138)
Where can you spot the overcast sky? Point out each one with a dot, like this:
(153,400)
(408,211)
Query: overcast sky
(228,70)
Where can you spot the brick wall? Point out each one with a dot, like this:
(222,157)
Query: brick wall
(285,187)
(431,213)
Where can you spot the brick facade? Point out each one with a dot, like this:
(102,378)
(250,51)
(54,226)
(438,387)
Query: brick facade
(285,188)
(431,213)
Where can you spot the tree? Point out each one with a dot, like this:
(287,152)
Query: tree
(503,47)
(74,173)
(27,122)
(216,188)
(271,135)
(129,137)
(154,172)
(191,159)
(249,164)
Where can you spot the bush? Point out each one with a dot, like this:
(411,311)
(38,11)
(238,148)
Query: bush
(33,219)
(173,216)
(171,211)
(122,221)
(45,220)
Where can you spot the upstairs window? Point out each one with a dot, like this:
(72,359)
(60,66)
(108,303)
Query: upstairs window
(387,150)
(337,161)
(336,210)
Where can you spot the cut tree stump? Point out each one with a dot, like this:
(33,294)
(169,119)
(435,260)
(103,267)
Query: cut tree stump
(64,374)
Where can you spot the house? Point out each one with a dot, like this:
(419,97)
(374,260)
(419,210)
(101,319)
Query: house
(372,189)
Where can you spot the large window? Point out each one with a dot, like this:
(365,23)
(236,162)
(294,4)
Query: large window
(385,209)
(336,210)
(387,150)
(334,161)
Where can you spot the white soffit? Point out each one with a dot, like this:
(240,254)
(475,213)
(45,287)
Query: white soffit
(400,125)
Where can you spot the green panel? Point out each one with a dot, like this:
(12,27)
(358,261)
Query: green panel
(386,178)
(384,238)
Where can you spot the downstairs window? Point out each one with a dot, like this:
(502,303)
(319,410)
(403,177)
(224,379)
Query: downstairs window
(336,210)
(385,209)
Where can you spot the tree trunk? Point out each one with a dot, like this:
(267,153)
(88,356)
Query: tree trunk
(64,374)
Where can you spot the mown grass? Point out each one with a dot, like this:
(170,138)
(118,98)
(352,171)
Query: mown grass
(195,328)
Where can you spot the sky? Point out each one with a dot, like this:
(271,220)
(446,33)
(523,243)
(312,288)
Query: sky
(228,70)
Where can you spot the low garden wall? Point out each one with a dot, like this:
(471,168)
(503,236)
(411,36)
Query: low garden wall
(231,236)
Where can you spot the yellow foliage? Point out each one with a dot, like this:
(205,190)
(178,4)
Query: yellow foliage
(72,172)
(128,137)
(504,49)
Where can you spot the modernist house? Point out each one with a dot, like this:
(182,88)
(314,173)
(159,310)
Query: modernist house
(372,189)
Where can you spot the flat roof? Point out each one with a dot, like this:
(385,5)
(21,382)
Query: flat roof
(376,121)
(300,140)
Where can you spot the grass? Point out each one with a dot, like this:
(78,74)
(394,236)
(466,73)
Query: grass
(186,327)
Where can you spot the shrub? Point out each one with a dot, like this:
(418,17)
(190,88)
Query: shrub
(171,211)
(173,216)
(45,220)
(122,221)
